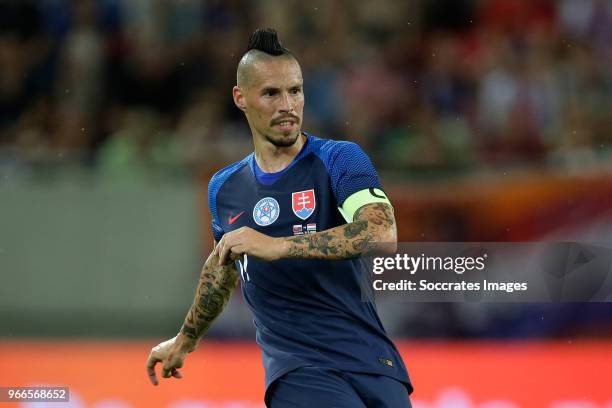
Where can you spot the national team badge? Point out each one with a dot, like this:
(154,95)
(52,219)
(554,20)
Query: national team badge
(303,203)
(266,211)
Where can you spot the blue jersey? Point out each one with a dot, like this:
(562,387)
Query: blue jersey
(306,312)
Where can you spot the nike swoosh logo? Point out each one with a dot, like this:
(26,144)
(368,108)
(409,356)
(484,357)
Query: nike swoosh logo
(233,219)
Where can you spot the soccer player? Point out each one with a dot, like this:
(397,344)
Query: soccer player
(290,221)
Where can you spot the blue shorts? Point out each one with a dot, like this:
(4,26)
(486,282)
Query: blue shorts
(320,387)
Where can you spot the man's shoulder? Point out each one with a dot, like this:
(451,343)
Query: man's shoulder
(221,176)
(329,149)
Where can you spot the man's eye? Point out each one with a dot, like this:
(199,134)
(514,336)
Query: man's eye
(295,91)
(270,93)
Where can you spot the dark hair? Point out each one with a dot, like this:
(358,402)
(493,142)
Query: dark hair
(266,40)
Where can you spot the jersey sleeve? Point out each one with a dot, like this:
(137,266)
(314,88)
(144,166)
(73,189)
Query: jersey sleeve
(354,180)
(213,189)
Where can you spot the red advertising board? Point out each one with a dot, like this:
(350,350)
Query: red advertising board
(445,374)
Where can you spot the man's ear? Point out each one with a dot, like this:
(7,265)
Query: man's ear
(238,95)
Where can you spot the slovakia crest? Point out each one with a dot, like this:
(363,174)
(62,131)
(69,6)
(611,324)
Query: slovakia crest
(266,211)
(303,203)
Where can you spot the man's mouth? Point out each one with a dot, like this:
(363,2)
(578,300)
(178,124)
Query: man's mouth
(285,122)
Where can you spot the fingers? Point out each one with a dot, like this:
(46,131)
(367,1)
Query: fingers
(170,364)
(219,248)
(235,257)
(227,247)
(223,252)
(233,244)
(172,371)
(236,252)
(151,362)
(167,372)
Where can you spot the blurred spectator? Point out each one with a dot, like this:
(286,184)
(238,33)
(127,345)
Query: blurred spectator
(480,84)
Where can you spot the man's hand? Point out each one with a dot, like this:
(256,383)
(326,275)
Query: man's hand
(246,240)
(170,354)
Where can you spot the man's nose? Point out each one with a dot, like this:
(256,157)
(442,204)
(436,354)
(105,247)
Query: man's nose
(286,104)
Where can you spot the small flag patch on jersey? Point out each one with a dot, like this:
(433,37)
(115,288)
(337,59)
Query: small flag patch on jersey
(297,229)
(385,361)
(303,203)
(311,228)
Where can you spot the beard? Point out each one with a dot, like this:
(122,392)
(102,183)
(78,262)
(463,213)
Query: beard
(284,140)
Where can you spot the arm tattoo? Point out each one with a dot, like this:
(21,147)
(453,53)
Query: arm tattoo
(371,223)
(214,290)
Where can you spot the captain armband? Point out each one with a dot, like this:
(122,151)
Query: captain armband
(357,200)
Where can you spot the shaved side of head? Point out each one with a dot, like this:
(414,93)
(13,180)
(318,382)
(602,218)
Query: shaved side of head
(248,63)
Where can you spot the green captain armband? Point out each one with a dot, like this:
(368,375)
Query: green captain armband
(357,200)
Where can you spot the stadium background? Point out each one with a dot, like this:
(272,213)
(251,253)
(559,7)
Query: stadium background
(488,121)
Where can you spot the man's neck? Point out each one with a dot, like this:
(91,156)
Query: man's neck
(271,158)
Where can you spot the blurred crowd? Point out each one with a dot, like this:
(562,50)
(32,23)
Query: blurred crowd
(128,88)
(124,86)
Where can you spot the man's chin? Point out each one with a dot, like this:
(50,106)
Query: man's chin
(284,139)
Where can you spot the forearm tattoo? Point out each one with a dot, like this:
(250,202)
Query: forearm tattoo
(214,290)
(371,223)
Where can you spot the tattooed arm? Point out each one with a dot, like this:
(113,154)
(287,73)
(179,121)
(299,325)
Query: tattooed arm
(372,224)
(217,282)
(214,290)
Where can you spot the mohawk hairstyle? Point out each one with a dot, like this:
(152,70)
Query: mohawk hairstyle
(266,40)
